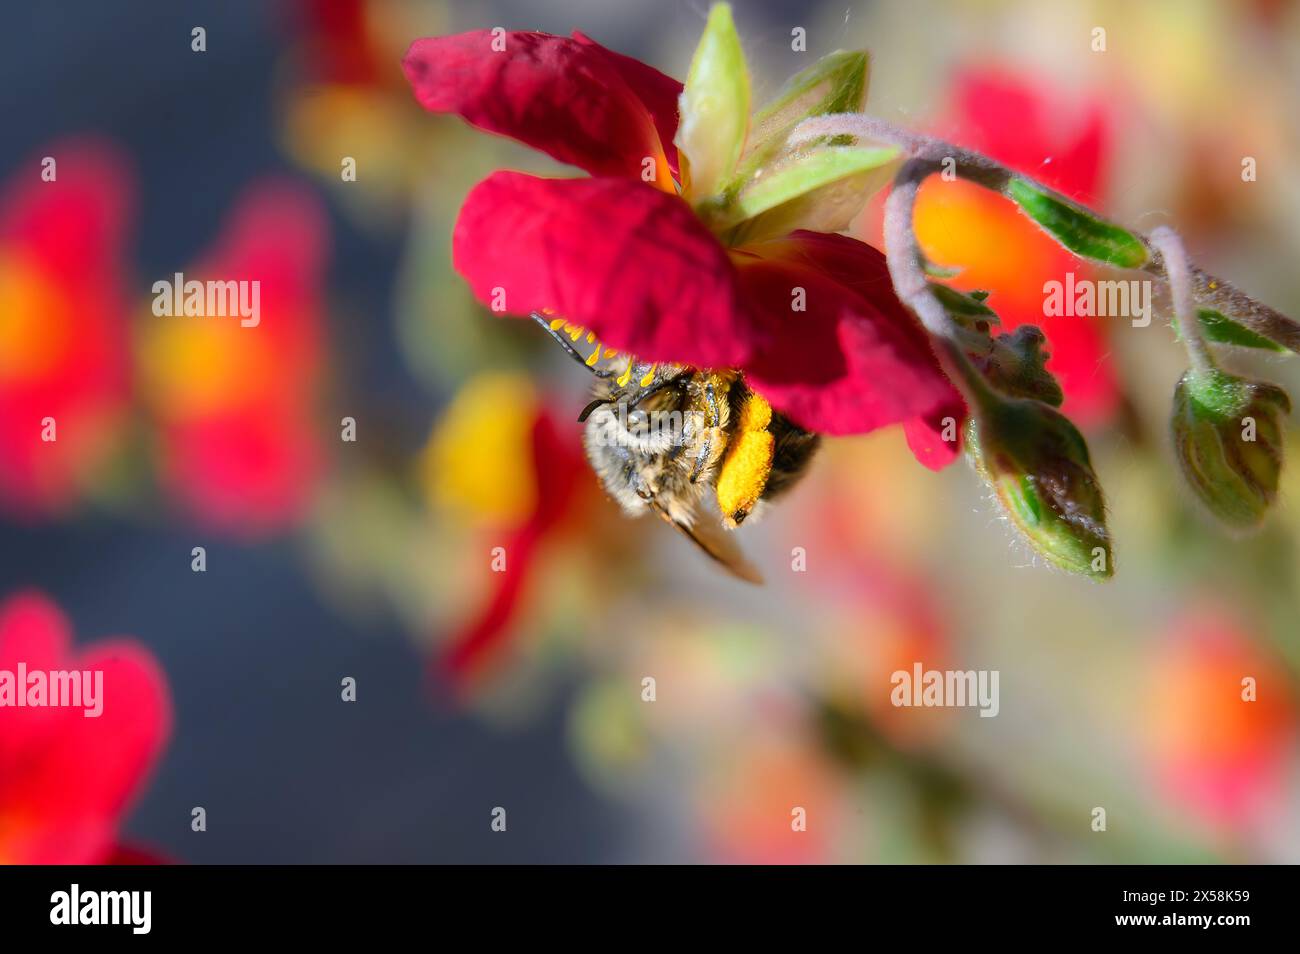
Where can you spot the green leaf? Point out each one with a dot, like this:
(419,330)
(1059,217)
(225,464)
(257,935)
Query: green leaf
(961,305)
(1218,327)
(837,83)
(801,174)
(1077,228)
(714,107)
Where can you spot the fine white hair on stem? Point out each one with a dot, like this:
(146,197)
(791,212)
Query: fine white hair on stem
(1179,272)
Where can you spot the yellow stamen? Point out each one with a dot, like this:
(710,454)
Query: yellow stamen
(626,376)
(648,377)
(557,324)
(610,352)
(575,334)
(595,356)
(591,337)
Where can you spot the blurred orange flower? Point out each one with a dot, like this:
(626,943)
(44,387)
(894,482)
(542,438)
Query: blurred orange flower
(66,779)
(1221,720)
(235,405)
(997,249)
(63,352)
(774,802)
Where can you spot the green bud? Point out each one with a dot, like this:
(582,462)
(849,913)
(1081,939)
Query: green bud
(1228,436)
(1017,366)
(1037,464)
(714,107)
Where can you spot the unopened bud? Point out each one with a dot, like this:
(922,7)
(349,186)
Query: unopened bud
(1037,464)
(1228,435)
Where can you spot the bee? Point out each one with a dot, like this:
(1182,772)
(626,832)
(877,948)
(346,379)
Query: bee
(697,447)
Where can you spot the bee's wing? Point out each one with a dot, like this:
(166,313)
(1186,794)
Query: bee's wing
(707,533)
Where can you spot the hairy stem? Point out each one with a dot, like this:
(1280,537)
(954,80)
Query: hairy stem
(907,272)
(1211,291)
(1166,241)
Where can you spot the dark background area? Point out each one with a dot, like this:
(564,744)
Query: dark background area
(286,772)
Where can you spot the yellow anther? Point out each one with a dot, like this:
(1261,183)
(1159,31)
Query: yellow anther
(610,352)
(557,324)
(648,377)
(626,376)
(591,337)
(595,356)
(576,333)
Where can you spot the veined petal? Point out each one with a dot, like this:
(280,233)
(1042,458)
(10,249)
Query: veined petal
(565,96)
(630,263)
(853,359)
(657,92)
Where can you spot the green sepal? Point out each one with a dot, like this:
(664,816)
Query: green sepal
(1077,228)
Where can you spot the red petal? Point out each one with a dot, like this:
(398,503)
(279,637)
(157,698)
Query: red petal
(659,93)
(123,853)
(560,95)
(855,359)
(65,779)
(925,435)
(633,264)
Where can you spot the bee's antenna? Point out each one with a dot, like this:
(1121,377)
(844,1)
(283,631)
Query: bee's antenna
(564,343)
(586,411)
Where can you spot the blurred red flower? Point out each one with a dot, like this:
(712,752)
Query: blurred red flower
(65,779)
(1220,747)
(777,801)
(555,465)
(63,351)
(235,405)
(1012,119)
(631,261)
(339,43)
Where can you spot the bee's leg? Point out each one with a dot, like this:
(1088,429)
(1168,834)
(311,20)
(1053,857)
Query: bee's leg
(573,352)
(702,457)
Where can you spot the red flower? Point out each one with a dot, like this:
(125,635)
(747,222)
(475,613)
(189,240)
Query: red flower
(63,355)
(235,404)
(65,779)
(810,318)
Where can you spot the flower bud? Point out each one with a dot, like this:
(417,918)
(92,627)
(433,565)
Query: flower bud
(1228,435)
(1037,464)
